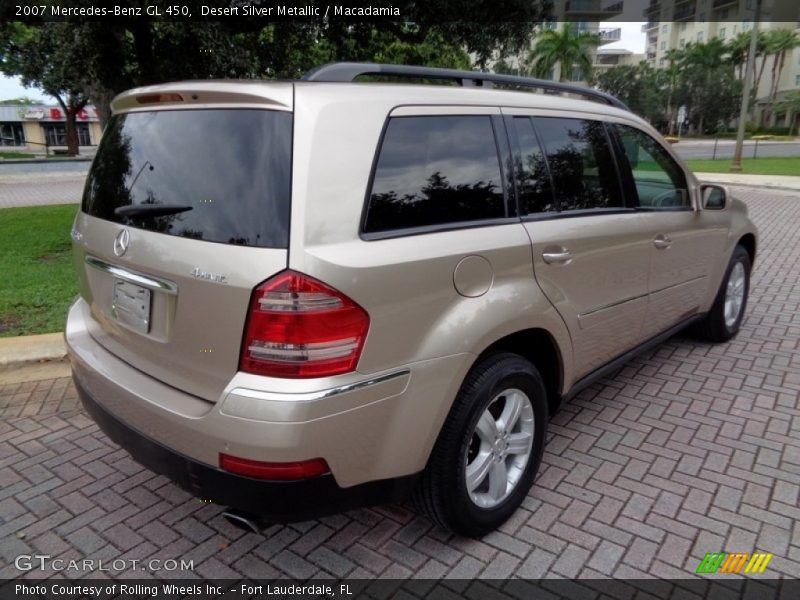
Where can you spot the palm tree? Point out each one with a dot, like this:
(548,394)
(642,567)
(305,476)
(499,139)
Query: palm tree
(698,64)
(791,104)
(567,48)
(780,42)
(739,48)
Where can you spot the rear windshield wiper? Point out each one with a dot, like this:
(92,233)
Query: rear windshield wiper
(150,210)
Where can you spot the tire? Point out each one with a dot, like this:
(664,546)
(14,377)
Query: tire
(725,317)
(493,389)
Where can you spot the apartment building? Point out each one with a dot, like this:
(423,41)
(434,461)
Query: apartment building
(673,24)
(585,15)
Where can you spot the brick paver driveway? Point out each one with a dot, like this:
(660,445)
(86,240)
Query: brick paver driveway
(690,449)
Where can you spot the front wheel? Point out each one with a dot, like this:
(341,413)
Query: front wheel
(489,449)
(725,317)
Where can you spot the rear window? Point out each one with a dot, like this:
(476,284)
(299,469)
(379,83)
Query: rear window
(435,170)
(213,175)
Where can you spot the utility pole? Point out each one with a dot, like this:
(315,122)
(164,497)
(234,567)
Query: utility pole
(736,165)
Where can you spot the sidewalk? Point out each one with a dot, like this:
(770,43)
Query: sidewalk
(783,182)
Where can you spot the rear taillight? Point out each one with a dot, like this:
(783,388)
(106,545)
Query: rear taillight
(300,327)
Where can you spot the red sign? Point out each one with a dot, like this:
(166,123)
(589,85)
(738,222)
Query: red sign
(82,114)
(55,113)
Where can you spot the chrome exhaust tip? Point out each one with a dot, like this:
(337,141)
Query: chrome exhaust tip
(243,521)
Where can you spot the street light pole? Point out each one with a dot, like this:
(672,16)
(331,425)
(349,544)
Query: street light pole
(736,165)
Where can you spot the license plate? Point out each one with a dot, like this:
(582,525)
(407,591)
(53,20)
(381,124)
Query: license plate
(131,305)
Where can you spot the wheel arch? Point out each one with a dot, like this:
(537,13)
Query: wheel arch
(748,242)
(539,347)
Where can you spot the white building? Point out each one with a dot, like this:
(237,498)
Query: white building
(675,23)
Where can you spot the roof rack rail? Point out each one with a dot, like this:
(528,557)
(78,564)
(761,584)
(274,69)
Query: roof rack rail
(348,71)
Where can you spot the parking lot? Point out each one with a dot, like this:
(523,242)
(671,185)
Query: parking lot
(690,449)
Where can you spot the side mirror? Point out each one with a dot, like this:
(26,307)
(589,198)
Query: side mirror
(715,197)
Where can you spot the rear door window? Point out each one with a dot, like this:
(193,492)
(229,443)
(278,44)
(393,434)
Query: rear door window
(533,179)
(435,170)
(221,175)
(581,164)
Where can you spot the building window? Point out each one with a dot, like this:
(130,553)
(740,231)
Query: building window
(661,62)
(682,43)
(664,28)
(746,25)
(683,26)
(722,33)
(12,134)
(735,28)
(797,80)
(663,45)
(700,36)
(55,134)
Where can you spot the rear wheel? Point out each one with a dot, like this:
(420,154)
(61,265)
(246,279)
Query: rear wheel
(725,317)
(490,447)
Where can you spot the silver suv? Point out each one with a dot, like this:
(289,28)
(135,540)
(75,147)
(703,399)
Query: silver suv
(300,297)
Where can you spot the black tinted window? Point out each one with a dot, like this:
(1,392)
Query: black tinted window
(535,191)
(581,165)
(226,173)
(435,170)
(660,182)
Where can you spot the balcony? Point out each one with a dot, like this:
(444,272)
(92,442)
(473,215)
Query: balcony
(653,11)
(684,12)
(722,3)
(649,25)
(651,56)
(608,36)
(592,8)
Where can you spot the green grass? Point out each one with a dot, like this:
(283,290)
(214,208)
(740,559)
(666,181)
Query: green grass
(38,280)
(750,166)
(12,154)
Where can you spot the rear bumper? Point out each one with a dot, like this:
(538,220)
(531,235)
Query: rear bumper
(375,433)
(280,501)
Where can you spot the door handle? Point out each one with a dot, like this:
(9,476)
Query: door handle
(662,242)
(556,255)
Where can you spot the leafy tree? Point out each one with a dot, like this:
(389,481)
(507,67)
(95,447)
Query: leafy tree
(626,83)
(120,54)
(22,100)
(707,84)
(47,57)
(567,48)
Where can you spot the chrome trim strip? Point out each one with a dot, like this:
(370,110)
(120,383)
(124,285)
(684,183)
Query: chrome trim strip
(310,396)
(132,276)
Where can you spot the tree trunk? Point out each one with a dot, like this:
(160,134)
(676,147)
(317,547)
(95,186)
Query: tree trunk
(777,67)
(754,93)
(72,132)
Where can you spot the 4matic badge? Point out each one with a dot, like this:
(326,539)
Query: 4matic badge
(208,275)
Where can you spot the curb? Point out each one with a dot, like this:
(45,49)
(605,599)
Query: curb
(27,348)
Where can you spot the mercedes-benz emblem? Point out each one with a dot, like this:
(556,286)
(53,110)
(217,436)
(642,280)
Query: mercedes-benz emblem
(121,242)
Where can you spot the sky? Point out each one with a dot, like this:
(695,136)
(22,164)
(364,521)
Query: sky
(632,39)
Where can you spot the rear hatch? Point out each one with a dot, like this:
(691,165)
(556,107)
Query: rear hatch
(185,211)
